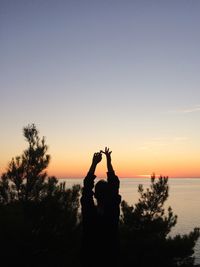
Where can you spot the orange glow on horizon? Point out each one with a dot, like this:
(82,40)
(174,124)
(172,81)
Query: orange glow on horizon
(127,163)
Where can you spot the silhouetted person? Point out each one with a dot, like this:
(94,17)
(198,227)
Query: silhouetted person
(100,222)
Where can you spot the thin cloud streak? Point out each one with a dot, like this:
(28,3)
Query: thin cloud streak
(187,110)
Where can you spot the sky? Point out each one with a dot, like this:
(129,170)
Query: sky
(90,74)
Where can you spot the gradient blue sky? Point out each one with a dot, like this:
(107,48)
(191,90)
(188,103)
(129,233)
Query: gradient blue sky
(90,74)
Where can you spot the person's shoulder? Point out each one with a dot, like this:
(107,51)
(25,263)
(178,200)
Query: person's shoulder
(115,199)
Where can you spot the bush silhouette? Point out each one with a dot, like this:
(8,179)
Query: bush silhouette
(145,228)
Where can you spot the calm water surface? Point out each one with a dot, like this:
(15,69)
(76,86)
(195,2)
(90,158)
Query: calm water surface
(184,198)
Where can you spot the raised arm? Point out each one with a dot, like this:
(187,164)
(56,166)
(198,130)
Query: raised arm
(107,152)
(113,205)
(113,180)
(88,183)
(96,159)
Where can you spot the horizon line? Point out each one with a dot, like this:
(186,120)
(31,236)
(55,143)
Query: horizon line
(136,177)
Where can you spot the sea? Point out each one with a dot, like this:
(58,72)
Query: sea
(184,198)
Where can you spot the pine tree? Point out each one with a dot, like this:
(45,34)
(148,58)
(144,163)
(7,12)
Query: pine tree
(39,223)
(145,229)
(25,177)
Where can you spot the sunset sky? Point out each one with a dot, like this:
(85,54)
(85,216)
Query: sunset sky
(90,74)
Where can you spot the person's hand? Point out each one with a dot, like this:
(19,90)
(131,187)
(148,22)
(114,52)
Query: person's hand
(97,158)
(107,152)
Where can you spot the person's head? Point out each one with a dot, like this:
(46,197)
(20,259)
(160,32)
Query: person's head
(101,191)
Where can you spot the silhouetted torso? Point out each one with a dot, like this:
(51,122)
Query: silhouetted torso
(100,224)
